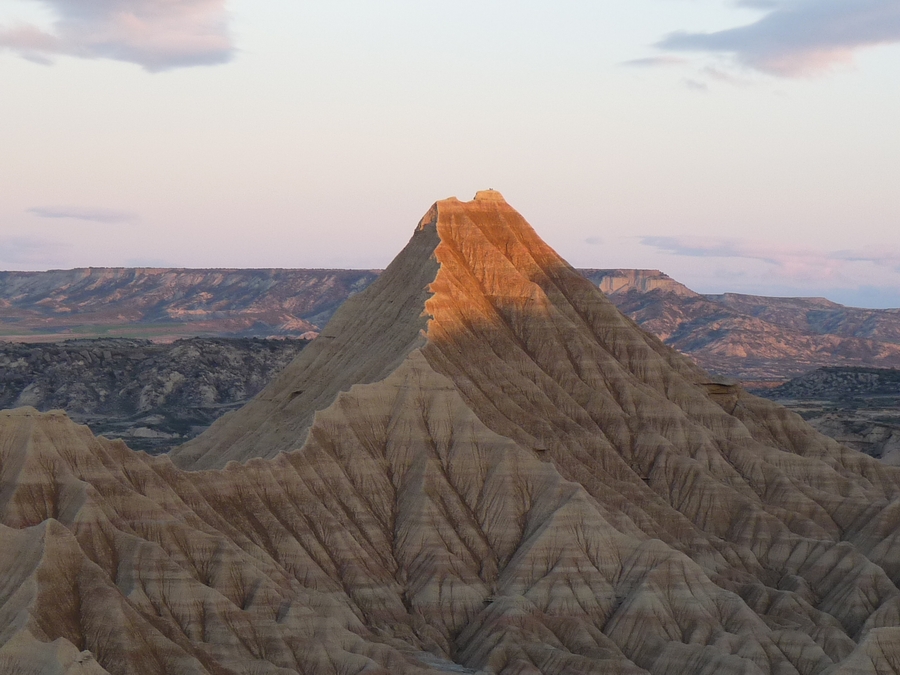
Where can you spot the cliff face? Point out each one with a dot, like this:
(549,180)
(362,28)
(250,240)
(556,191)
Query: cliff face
(621,281)
(481,464)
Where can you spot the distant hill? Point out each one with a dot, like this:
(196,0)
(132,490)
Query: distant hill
(754,338)
(841,384)
(164,304)
(817,316)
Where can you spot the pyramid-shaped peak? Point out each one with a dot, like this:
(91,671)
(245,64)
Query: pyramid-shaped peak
(474,279)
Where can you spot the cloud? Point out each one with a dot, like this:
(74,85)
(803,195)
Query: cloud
(800,264)
(727,78)
(799,37)
(95,215)
(155,34)
(883,258)
(708,247)
(654,62)
(29,251)
(696,85)
(860,278)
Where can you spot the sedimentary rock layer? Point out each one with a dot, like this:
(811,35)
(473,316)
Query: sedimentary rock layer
(495,468)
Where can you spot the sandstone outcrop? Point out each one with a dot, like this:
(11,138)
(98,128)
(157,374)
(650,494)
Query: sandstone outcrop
(621,281)
(480,462)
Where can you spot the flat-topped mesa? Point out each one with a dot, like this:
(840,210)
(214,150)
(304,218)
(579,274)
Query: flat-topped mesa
(612,281)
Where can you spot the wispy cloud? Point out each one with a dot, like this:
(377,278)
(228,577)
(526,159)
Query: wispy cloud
(709,247)
(15,251)
(96,215)
(654,62)
(720,75)
(155,34)
(696,85)
(884,258)
(787,262)
(799,37)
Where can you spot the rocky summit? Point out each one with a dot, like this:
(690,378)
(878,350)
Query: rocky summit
(482,466)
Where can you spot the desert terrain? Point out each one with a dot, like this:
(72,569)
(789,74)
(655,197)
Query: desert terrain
(859,407)
(480,465)
(153,395)
(166,304)
(763,341)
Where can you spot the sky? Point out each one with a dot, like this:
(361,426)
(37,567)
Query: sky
(738,145)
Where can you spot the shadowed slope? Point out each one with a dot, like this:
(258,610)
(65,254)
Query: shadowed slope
(365,340)
(515,478)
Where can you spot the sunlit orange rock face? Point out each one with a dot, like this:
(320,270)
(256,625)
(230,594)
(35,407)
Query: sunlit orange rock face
(480,466)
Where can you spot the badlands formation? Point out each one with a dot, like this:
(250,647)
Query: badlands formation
(481,466)
(760,340)
(169,303)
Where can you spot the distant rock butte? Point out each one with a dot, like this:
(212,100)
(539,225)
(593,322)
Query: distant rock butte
(616,281)
(480,462)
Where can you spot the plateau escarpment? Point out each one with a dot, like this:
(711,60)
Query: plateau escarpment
(480,461)
(164,304)
(754,338)
(622,281)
